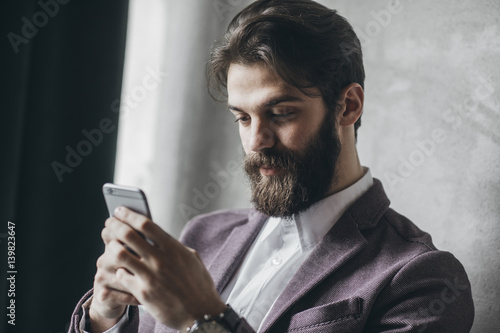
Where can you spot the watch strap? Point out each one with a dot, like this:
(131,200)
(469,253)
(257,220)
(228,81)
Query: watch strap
(228,319)
(243,327)
(233,322)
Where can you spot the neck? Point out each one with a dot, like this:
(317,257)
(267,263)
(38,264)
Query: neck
(348,169)
(346,176)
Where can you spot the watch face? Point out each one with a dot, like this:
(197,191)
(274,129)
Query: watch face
(210,327)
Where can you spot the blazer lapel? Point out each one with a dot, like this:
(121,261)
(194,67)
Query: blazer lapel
(232,252)
(341,243)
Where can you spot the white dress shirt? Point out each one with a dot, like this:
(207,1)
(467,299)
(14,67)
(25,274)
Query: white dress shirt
(279,250)
(276,254)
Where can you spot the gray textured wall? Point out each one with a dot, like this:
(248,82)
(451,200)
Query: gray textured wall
(431,120)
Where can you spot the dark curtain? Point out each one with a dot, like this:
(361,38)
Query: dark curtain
(62,65)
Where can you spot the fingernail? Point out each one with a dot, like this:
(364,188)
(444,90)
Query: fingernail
(118,211)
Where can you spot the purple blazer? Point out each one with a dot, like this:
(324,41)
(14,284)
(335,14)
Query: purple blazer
(374,271)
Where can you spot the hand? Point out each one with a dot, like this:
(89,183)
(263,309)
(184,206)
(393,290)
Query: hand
(110,296)
(168,278)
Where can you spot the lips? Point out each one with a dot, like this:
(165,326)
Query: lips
(269,171)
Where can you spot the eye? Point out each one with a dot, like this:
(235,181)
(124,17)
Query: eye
(242,120)
(283,116)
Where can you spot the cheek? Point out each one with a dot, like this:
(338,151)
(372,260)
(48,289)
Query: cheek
(295,138)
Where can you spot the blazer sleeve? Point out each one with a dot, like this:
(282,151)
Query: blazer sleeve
(146,324)
(131,327)
(431,293)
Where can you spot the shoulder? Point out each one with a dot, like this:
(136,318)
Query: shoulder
(429,286)
(231,230)
(228,218)
(430,292)
(215,225)
(420,255)
(403,230)
(409,246)
(222,215)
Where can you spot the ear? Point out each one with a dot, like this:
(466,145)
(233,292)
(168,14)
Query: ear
(351,99)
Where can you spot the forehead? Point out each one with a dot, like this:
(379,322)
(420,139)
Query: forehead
(254,84)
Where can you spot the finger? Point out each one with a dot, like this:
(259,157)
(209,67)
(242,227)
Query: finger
(125,234)
(123,258)
(104,295)
(143,224)
(107,261)
(105,277)
(106,235)
(130,282)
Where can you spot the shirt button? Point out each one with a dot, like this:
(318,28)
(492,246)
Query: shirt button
(277,261)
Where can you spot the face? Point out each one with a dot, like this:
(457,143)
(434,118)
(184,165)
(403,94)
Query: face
(290,142)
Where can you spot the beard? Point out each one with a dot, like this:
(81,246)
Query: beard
(305,177)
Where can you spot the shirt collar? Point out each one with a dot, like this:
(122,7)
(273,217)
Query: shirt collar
(313,223)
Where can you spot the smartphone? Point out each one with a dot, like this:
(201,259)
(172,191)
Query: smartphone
(127,196)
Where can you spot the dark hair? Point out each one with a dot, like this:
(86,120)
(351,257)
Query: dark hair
(307,44)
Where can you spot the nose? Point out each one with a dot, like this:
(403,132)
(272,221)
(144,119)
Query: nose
(261,137)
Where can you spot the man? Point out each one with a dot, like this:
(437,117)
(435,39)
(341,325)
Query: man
(321,251)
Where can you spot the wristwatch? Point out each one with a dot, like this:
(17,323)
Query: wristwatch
(225,322)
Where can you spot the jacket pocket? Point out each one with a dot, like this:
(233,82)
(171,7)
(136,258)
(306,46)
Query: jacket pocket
(327,315)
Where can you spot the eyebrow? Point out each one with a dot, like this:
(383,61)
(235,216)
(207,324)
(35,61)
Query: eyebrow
(271,102)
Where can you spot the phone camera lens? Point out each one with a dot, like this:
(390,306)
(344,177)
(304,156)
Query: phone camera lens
(110,190)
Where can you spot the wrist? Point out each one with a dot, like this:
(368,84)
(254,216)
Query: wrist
(225,321)
(99,323)
(200,315)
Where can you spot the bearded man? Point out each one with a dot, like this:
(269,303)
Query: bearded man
(320,251)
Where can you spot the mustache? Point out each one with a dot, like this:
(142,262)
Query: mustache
(274,159)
